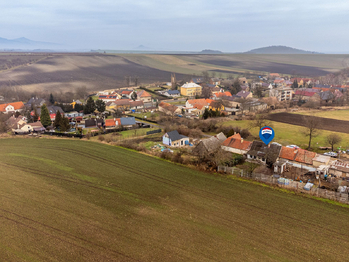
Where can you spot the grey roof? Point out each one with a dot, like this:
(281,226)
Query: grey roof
(327,95)
(126,121)
(174,135)
(51,110)
(270,153)
(35,101)
(210,144)
(173,92)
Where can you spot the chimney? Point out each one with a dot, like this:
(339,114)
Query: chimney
(234,133)
(242,140)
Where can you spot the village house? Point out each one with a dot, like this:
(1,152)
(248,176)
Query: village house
(220,95)
(126,93)
(11,107)
(267,154)
(112,123)
(209,145)
(236,144)
(35,102)
(339,168)
(109,98)
(174,139)
(122,104)
(320,160)
(172,93)
(169,109)
(197,106)
(191,89)
(244,94)
(144,96)
(128,122)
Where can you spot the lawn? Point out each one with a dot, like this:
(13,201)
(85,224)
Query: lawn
(334,114)
(287,134)
(65,200)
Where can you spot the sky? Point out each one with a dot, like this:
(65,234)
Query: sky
(181,25)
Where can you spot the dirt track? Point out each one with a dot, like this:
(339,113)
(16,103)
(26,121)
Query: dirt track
(300,120)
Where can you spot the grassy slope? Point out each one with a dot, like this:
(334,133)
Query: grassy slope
(287,134)
(334,114)
(65,200)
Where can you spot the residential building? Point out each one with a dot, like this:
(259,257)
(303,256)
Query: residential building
(209,145)
(191,89)
(175,139)
(339,168)
(11,107)
(128,121)
(236,144)
(244,94)
(35,102)
(267,154)
(169,109)
(172,93)
(144,96)
(112,123)
(281,93)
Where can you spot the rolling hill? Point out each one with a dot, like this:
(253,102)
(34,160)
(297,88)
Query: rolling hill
(278,50)
(69,200)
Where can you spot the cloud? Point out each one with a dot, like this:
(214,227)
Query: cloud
(177,25)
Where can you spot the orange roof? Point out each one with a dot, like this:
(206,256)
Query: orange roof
(110,122)
(144,93)
(236,142)
(305,156)
(288,153)
(227,93)
(16,106)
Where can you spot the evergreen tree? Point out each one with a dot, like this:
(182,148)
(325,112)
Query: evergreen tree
(36,115)
(52,100)
(90,106)
(64,124)
(100,105)
(134,96)
(45,118)
(58,119)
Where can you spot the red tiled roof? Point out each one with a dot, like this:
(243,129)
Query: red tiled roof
(305,93)
(111,122)
(288,153)
(236,142)
(143,93)
(16,106)
(221,94)
(126,92)
(305,156)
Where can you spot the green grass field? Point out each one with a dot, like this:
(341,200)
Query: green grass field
(68,200)
(287,134)
(334,114)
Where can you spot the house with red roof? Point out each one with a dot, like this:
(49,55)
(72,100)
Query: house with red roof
(169,109)
(220,95)
(236,144)
(11,107)
(144,96)
(111,123)
(126,93)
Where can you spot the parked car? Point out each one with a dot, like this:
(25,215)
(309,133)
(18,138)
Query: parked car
(293,146)
(331,154)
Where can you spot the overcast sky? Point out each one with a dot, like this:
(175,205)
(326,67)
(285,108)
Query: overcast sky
(226,25)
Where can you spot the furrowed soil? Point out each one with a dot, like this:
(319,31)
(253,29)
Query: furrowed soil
(64,72)
(69,200)
(335,125)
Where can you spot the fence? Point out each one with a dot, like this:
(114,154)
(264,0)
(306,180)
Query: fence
(154,131)
(293,185)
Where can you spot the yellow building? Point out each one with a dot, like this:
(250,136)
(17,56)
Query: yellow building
(191,89)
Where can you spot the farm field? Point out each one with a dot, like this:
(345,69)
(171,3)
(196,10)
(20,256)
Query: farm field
(287,134)
(225,64)
(334,125)
(97,71)
(342,114)
(69,200)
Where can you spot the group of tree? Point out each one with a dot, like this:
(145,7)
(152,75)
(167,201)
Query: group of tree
(91,106)
(211,113)
(61,122)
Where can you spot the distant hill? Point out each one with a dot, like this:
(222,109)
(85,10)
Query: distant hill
(26,44)
(209,51)
(279,50)
(142,47)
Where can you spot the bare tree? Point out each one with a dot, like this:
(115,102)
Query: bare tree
(206,92)
(260,121)
(136,80)
(127,80)
(206,76)
(333,139)
(312,126)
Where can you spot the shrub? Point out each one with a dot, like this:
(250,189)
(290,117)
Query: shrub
(101,138)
